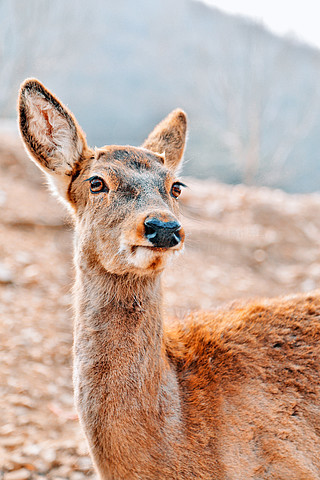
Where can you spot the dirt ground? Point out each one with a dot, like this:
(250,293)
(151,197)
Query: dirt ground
(242,242)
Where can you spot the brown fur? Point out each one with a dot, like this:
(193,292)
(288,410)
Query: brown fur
(232,394)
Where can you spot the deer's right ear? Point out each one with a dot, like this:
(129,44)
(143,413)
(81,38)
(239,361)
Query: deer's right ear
(50,133)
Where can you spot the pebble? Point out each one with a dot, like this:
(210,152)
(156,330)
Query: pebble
(16,461)
(12,442)
(49,455)
(84,463)
(62,471)
(259,255)
(6,275)
(22,474)
(77,476)
(7,429)
(31,449)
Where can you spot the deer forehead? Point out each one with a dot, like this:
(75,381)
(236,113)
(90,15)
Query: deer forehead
(123,166)
(137,157)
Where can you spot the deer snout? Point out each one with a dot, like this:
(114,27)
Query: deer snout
(162,234)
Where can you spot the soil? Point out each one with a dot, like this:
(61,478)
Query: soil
(242,242)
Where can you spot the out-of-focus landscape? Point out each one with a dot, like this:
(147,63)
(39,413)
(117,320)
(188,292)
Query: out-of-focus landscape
(252,98)
(253,106)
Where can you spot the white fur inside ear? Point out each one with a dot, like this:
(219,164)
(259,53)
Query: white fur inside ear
(52,130)
(61,144)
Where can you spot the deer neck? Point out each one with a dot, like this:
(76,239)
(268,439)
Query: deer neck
(123,312)
(124,384)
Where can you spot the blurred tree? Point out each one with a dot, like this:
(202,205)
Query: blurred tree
(263,109)
(37,33)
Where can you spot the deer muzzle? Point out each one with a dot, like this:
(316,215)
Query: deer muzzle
(162,234)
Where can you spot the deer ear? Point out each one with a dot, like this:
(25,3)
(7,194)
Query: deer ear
(50,133)
(169,137)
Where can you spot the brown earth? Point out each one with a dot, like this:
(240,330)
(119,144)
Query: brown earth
(242,242)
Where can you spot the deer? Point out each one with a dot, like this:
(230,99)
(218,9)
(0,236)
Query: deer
(228,394)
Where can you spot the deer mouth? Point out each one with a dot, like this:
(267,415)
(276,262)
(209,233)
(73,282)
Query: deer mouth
(153,249)
(146,258)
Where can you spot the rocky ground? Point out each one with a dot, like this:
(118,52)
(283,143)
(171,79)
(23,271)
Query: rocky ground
(242,242)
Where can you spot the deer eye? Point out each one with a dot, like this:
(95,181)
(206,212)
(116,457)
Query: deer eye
(97,185)
(176,190)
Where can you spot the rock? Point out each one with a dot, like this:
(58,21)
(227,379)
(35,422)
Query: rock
(31,449)
(3,197)
(16,462)
(7,429)
(49,455)
(259,255)
(84,464)
(22,474)
(6,275)
(62,472)
(77,476)
(12,442)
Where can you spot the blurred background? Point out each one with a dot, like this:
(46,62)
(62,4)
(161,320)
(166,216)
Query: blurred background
(252,97)
(247,74)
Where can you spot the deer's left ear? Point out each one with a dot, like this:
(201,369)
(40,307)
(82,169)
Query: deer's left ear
(169,137)
(53,139)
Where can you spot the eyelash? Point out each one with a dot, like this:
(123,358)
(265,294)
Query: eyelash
(176,184)
(104,187)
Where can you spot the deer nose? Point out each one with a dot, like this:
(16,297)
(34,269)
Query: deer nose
(162,234)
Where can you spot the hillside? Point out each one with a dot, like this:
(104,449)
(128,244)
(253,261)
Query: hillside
(253,99)
(242,242)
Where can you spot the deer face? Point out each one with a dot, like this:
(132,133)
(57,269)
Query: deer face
(124,199)
(127,209)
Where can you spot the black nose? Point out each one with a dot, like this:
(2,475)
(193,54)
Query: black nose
(162,234)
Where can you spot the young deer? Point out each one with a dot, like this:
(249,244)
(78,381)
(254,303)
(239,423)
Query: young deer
(233,394)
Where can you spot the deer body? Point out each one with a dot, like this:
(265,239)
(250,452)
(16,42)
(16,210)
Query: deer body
(231,394)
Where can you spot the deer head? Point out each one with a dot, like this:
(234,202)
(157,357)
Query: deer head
(124,199)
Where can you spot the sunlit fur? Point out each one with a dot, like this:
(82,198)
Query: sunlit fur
(227,395)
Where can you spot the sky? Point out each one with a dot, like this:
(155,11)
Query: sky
(295,18)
